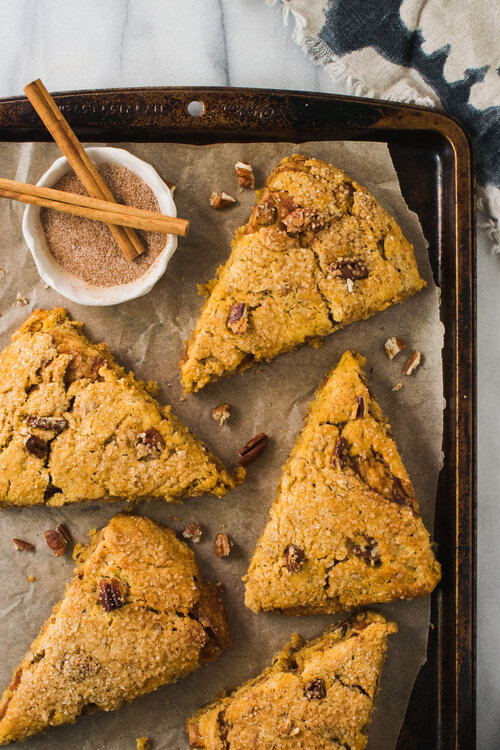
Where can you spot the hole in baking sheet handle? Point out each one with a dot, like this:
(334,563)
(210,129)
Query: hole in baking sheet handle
(196,108)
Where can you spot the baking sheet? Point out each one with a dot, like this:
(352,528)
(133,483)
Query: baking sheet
(147,335)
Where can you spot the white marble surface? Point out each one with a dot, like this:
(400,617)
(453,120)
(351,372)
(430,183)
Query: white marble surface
(76,44)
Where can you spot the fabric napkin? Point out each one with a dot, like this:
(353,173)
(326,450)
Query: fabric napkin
(442,53)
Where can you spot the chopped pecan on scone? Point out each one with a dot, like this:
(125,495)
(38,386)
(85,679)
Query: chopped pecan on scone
(237,320)
(112,594)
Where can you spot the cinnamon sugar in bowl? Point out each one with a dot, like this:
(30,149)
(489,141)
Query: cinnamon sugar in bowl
(78,257)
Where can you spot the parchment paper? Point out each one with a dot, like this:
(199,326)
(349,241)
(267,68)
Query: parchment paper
(147,335)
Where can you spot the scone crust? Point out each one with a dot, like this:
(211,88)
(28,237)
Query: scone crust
(314,696)
(112,439)
(345,500)
(87,658)
(318,252)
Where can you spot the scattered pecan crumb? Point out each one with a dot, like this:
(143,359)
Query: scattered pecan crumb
(221,413)
(294,558)
(56,424)
(20,544)
(171,186)
(315,690)
(20,300)
(219,586)
(36,445)
(244,174)
(31,579)
(57,539)
(177,518)
(2,271)
(237,320)
(142,743)
(411,363)
(221,200)
(223,544)
(253,449)
(46,286)
(193,532)
(397,387)
(393,346)
(112,594)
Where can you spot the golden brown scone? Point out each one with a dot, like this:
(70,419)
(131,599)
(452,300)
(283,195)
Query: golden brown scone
(318,696)
(75,427)
(344,530)
(318,252)
(135,616)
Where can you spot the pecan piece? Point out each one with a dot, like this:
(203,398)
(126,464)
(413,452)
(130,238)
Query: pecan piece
(315,690)
(244,174)
(55,424)
(150,442)
(20,544)
(57,539)
(36,445)
(237,320)
(265,211)
(193,532)
(301,219)
(221,414)
(294,558)
(349,268)
(339,454)
(253,449)
(367,551)
(223,545)
(112,594)
(50,491)
(411,363)
(393,346)
(360,412)
(221,200)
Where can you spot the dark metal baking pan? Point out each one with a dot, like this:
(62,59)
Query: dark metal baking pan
(432,156)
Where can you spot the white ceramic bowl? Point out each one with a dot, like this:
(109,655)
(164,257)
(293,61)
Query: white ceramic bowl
(64,282)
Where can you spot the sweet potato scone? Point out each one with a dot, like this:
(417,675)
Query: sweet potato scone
(344,530)
(318,252)
(318,696)
(135,616)
(75,427)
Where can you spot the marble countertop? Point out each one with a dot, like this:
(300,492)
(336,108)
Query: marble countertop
(115,43)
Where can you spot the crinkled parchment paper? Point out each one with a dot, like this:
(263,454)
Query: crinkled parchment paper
(147,335)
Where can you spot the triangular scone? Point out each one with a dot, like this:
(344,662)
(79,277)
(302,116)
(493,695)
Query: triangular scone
(135,616)
(344,530)
(318,252)
(315,697)
(75,427)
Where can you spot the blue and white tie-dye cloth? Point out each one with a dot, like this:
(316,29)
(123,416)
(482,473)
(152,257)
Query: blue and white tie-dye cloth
(443,53)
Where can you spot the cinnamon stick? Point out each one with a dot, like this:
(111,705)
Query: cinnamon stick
(85,170)
(92,208)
